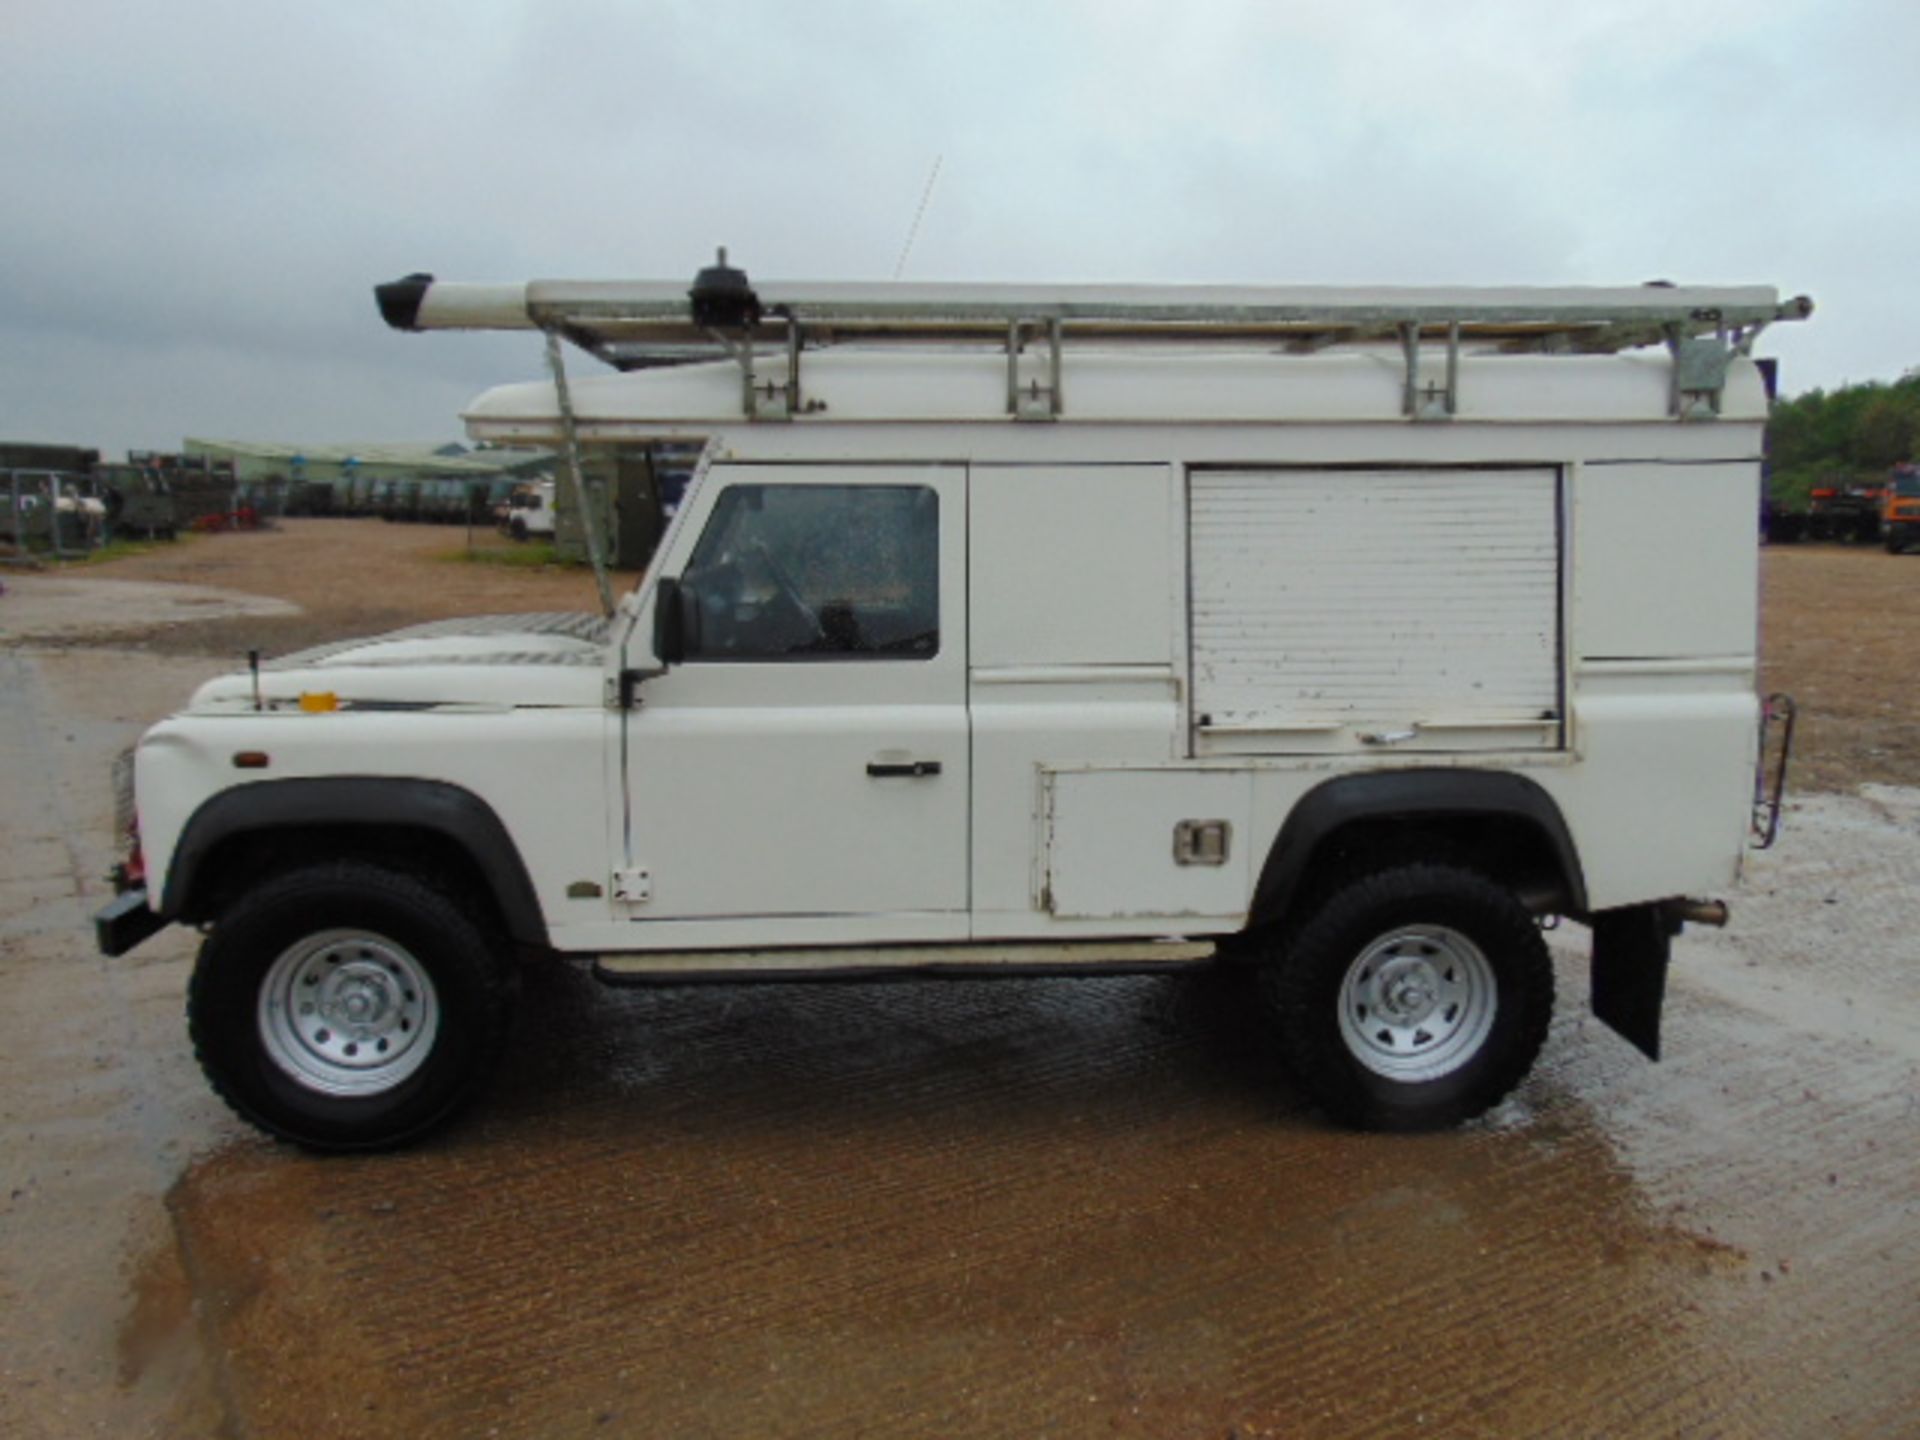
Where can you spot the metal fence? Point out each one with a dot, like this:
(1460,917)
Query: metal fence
(54,512)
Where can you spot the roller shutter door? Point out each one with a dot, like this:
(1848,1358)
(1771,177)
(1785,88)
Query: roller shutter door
(1414,609)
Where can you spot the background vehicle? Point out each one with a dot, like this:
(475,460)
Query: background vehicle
(1846,512)
(529,513)
(1900,519)
(139,501)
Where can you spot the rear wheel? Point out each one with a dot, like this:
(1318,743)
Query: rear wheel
(1414,998)
(347,1007)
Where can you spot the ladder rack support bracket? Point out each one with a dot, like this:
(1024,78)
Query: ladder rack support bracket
(1700,364)
(1435,399)
(1034,400)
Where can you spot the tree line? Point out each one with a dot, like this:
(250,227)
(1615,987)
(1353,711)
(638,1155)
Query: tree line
(1849,436)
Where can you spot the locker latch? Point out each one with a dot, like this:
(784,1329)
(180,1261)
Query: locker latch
(1201,842)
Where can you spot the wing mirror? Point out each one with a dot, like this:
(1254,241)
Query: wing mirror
(670,610)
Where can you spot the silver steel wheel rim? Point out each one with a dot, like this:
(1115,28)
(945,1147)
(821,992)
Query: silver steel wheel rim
(348,1012)
(1417,1003)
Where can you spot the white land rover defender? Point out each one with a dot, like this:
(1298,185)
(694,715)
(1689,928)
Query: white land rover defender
(1345,634)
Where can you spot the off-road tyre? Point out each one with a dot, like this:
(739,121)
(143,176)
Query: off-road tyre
(450,981)
(1448,934)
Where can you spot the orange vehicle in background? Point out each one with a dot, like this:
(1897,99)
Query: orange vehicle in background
(1900,519)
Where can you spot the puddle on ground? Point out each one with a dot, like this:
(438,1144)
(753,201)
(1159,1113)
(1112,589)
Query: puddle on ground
(1073,1207)
(161,1363)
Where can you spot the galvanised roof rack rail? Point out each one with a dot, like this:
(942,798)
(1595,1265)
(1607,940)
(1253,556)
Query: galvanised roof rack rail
(635,325)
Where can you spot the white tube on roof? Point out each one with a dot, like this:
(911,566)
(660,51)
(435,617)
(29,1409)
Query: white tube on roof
(450,305)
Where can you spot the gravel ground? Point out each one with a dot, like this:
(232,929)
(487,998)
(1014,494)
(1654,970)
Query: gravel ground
(1060,1207)
(1840,630)
(344,578)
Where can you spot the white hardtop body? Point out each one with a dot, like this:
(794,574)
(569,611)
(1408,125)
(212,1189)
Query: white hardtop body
(1071,705)
(1167,386)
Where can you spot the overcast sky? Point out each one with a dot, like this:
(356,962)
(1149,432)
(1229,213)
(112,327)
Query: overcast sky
(200,195)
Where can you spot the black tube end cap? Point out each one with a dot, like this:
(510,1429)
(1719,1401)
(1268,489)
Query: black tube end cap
(399,300)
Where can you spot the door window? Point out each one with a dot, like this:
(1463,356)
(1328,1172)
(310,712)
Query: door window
(810,572)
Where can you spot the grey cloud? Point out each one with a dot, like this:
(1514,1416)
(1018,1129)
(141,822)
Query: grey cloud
(212,188)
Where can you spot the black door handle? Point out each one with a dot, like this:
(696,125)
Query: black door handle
(911,769)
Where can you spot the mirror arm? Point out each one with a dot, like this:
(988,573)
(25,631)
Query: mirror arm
(630,682)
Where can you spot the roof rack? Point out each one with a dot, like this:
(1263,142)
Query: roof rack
(634,325)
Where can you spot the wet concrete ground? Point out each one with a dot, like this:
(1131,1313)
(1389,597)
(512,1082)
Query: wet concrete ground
(1075,1208)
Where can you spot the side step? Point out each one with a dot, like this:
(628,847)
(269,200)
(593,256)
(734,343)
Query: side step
(884,962)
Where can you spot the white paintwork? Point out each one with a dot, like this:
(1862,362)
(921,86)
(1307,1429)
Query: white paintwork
(1358,385)
(1059,705)
(1109,844)
(543,769)
(1073,584)
(1101,591)
(1433,623)
(1642,527)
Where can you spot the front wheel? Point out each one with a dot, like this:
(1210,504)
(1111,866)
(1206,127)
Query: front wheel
(348,1007)
(1414,998)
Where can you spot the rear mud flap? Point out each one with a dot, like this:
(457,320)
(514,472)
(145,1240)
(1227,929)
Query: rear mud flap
(1631,948)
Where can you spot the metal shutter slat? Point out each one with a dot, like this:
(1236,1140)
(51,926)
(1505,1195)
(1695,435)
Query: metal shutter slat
(1341,601)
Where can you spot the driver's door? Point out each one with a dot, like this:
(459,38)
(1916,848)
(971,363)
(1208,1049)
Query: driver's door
(804,768)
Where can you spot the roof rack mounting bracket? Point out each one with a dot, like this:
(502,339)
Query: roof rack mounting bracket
(1034,397)
(1431,399)
(764,399)
(1700,365)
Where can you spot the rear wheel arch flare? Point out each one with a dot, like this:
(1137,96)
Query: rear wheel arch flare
(1486,819)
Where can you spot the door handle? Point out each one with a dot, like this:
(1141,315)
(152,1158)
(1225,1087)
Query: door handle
(910,769)
(1388,737)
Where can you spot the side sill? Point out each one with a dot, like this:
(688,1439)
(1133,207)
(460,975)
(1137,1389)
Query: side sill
(687,967)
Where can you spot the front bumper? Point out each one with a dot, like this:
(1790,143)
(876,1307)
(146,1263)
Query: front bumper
(126,922)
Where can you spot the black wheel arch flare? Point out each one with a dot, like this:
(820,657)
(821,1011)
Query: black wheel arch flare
(372,801)
(1427,797)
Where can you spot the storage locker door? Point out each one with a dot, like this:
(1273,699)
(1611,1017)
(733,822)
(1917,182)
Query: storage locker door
(1402,610)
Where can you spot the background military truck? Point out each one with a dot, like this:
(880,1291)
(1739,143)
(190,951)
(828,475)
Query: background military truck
(139,501)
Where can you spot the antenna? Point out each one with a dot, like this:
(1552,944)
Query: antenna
(913,231)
